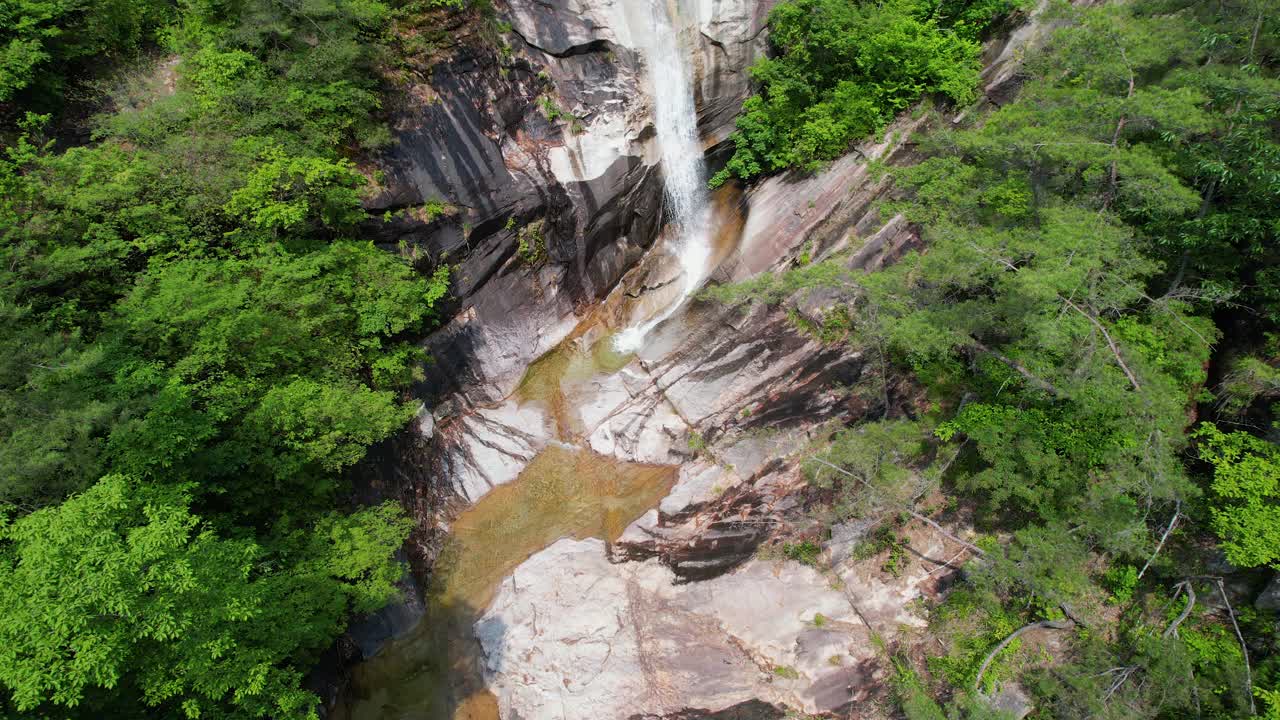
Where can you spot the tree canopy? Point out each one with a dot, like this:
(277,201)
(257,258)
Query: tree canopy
(841,70)
(1091,319)
(198,345)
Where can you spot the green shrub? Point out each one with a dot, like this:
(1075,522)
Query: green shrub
(974,622)
(532,246)
(912,695)
(1121,580)
(841,70)
(550,109)
(805,552)
(433,209)
(697,442)
(786,672)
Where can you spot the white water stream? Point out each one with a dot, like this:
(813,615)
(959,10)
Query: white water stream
(676,122)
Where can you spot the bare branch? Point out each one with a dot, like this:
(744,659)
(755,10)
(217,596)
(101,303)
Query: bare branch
(1244,649)
(1071,614)
(973,548)
(1177,509)
(1115,350)
(1186,611)
(1042,625)
(1253,40)
(1042,384)
(1115,137)
(1124,674)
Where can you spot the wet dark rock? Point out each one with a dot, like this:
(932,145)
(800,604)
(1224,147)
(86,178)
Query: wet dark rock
(370,633)
(558,27)
(750,710)
(1216,563)
(448,134)
(721,547)
(1269,598)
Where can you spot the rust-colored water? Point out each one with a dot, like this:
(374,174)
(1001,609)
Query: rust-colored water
(628,305)
(571,361)
(434,673)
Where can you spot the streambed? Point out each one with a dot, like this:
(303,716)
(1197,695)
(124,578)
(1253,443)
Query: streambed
(564,492)
(567,492)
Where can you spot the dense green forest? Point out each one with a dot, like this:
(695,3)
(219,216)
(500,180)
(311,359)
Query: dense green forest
(197,343)
(841,71)
(1093,319)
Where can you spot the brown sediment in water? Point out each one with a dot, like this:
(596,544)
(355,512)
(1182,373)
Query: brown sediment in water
(434,673)
(571,361)
(564,492)
(589,350)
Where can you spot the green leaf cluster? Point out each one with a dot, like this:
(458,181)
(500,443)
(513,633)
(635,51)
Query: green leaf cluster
(197,346)
(1091,249)
(1246,493)
(842,69)
(168,611)
(44,43)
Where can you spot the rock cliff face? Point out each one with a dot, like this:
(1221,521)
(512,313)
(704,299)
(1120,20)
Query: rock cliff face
(541,138)
(682,613)
(633,642)
(548,142)
(545,158)
(579,191)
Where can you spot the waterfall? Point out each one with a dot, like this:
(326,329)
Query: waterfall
(684,173)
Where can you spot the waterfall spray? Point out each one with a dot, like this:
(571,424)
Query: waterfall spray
(676,121)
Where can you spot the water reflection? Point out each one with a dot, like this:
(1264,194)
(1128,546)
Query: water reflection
(434,673)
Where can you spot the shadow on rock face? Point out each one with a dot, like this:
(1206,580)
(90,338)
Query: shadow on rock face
(749,710)
(439,669)
(434,672)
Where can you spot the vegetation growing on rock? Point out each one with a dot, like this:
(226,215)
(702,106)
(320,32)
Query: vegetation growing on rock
(197,343)
(1093,250)
(841,70)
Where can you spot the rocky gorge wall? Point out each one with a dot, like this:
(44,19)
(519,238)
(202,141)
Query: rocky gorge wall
(581,191)
(579,187)
(553,231)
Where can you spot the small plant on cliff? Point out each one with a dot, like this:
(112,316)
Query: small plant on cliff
(532,247)
(697,442)
(550,109)
(896,562)
(912,694)
(804,552)
(433,209)
(786,672)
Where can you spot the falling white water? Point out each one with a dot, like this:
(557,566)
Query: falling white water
(676,120)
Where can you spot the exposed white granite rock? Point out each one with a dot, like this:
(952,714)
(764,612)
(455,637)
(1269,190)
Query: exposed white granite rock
(571,635)
(698,482)
(489,447)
